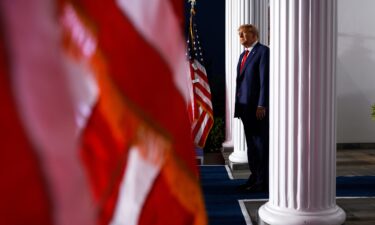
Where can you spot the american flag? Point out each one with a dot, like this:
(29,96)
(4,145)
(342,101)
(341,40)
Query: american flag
(201,106)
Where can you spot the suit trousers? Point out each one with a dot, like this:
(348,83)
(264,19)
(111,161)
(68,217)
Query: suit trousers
(257,140)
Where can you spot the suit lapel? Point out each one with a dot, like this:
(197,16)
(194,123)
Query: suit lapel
(250,57)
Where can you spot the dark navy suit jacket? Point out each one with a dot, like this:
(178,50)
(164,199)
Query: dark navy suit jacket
(252,85)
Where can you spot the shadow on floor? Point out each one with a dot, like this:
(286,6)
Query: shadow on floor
(213,158)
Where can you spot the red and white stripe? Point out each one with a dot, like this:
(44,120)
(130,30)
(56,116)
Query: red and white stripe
(203,116)
(145,16)
(164,36)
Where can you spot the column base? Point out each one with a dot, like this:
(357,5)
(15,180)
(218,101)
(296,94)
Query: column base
(238,161)
(268,215)
(238,157)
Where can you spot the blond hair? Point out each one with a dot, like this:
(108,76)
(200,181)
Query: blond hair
(250,28)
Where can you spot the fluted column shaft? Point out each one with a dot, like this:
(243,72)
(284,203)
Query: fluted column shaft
(239,12)
(230,50)
(302,114)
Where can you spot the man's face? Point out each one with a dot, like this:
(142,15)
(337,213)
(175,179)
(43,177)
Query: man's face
(246,37)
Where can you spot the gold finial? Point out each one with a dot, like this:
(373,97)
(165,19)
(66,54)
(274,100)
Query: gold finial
(192,2)
(192,13)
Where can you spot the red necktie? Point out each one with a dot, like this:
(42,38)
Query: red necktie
(244,60)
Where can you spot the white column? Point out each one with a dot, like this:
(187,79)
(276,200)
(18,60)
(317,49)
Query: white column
(229,82)
(261,20)
(239,12)
(302,115)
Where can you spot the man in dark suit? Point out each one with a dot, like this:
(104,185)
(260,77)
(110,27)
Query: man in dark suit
(251,105)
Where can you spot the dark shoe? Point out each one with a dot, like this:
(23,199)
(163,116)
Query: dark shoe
(244,187)
(257,188)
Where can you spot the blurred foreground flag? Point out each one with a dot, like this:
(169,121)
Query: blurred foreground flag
(200,105)
(22,180)
(98,93)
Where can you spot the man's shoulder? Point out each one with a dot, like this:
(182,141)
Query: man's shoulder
(262,46)
(261,49)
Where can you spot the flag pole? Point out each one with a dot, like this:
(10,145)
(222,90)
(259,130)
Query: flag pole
(192,13)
